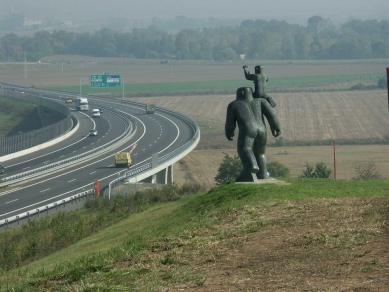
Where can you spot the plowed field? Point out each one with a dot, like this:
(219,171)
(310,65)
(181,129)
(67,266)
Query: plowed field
(304,117)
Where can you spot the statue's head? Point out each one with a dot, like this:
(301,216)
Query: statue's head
(244,93)
(259,69)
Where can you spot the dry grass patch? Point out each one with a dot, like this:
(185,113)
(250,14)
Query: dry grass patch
(309,245)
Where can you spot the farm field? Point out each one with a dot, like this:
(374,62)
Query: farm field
(71,72)
(343,115)
(304,116)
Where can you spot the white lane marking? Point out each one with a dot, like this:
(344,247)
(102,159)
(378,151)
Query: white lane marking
(92,172)
(11,201)
(72,180)
(27,167)
(45,190)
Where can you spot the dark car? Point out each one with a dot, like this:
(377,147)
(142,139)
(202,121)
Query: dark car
(93,132)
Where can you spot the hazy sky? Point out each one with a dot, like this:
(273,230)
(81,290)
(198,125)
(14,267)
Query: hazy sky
(248,9)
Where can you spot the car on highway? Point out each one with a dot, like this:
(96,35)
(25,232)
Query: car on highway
(93,132)
(96,113)
(69,100)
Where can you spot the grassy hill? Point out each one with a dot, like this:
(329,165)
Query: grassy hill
(14,113)
(305,235)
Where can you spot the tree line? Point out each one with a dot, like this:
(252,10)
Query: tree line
(257,39)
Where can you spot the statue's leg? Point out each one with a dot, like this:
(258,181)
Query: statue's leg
(259,153)
(246,155)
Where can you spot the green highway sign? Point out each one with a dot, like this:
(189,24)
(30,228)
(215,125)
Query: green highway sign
(105,80)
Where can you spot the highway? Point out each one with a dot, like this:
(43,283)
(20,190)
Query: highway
(156,133)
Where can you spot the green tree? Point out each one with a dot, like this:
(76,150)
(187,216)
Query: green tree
(62,41)
(12,47)
(317,25)
(277,169)
(314,24)
(39,46)
(229,169)
(205,51)
(302,43)
(288,49)
(182,45)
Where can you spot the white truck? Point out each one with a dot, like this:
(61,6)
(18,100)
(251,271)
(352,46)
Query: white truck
(82,104)
(150,108)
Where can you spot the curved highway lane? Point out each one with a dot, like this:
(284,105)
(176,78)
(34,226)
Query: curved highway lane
(157,133)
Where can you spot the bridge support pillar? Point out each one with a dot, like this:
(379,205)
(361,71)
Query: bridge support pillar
(165,176)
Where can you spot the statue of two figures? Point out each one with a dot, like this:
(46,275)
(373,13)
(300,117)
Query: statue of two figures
(248,112)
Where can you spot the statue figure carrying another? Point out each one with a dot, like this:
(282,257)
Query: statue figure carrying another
(260,80)
(248,113)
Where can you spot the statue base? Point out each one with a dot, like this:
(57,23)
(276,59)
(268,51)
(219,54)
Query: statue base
(269,180)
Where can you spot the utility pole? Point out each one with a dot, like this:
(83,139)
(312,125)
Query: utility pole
(25,65)
(387,83)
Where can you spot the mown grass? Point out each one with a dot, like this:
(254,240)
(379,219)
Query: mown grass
(146,249)
(214,85)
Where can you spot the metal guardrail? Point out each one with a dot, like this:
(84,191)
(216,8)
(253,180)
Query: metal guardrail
(46,208)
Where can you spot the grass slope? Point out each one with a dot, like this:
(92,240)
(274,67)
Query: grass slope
(312,234)
(12,113)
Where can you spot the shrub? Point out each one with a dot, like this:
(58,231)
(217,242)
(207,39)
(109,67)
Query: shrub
(229,169)
(382,83)
(367,171)
(321,170)
(276,169)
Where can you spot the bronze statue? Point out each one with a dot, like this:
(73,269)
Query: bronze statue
(260,80)
(248,112)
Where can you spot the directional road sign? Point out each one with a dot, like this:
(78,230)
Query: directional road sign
(105,80)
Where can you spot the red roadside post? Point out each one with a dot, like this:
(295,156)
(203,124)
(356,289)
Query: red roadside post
(97,188)
(387,83)
(334,143)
